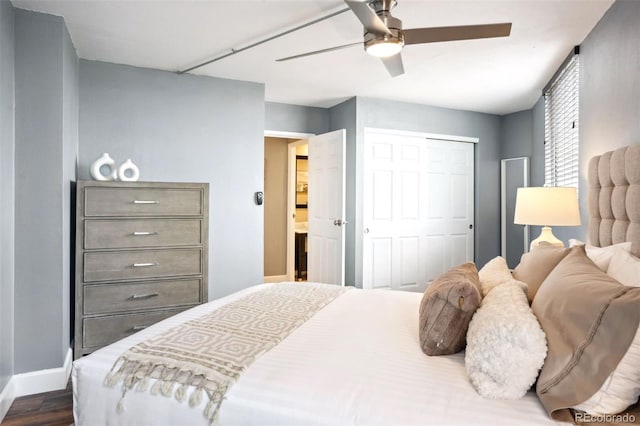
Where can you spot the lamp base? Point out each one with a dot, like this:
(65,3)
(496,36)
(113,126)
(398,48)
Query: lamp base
(546,239)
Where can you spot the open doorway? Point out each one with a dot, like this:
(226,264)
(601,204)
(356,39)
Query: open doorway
(299,180)
(284,223)
(322,215)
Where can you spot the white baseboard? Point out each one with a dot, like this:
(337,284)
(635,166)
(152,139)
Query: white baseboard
(35,382)
(276,279)
(43,380)
(7,396)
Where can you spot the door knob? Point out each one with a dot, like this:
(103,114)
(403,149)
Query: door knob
(339,222)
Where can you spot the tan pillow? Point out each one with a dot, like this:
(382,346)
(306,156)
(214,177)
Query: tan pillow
(536,265)
(590,321)
(446,309)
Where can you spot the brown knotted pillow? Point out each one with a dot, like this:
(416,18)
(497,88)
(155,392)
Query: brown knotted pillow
(447,306)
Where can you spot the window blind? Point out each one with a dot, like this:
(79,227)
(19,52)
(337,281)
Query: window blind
(561,127)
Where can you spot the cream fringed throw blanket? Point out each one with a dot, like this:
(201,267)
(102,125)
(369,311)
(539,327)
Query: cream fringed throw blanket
(208,354)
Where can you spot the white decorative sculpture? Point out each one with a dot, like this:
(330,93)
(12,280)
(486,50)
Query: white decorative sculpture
(133,171)
(105,160)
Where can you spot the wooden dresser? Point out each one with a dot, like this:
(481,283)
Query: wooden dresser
(141,256)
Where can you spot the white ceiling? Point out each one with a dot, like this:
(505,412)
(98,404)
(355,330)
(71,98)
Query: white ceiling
(497,76)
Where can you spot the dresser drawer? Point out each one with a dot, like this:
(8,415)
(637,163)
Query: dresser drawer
(131,264)
(134,233)
(139,201)
(101,331)
(129,297)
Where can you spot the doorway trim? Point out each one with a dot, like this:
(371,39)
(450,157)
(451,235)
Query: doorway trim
(291,207)
(436,136)
(286,135)
(291,185)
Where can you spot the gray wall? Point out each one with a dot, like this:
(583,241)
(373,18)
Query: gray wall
(186,128)
(537,147)
(7,191)
(536,171)
(522,135)
(609,89)
(422,118)
(296,118)
(516,133)
(609,100)
(46,137)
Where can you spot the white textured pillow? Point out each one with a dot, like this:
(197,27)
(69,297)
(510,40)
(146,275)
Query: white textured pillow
(506,346)
(602,256)
(622,387)
(625,268)
(493,273)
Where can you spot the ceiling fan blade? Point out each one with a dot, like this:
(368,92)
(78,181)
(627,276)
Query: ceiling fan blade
(370,20)
(463,32)
(315,52)
(394,64)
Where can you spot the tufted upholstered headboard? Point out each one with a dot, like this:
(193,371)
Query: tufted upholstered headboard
(614,198)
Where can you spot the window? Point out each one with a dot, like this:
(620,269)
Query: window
(561,126)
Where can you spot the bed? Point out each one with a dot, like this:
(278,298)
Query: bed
(356,361)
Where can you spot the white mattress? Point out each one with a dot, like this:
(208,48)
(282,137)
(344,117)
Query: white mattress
(357,361)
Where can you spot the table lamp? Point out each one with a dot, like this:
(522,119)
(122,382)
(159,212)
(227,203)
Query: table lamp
(547,206)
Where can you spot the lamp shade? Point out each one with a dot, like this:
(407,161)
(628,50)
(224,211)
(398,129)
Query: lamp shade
(547,206)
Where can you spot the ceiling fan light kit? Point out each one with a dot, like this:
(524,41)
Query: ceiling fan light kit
(383,48)
(389,42)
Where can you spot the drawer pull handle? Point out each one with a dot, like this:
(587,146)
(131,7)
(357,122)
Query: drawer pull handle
(144,296)
(138,233)
(142,265)
(139,327)
(146,202)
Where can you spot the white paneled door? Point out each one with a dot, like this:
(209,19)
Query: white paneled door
(418,209)
(326,208)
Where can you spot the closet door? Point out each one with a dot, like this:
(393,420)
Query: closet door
(418,209)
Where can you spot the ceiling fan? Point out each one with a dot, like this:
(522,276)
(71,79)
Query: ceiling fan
(384,37)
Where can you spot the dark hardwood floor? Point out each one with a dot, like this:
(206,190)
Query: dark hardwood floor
(49,408)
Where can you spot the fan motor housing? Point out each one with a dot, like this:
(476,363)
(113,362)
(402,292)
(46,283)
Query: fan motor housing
(382,5)
(395,27)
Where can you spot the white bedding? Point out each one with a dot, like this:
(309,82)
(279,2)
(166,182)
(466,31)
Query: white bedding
(357,361)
